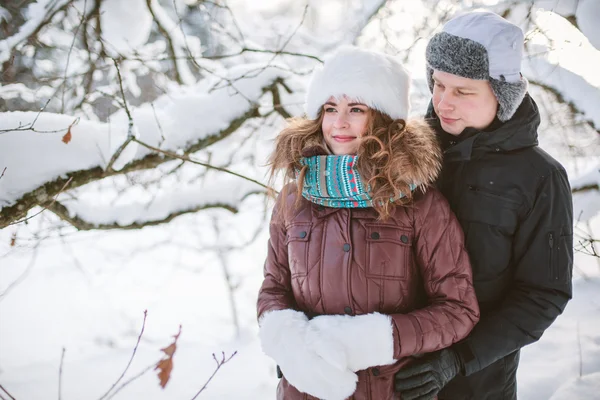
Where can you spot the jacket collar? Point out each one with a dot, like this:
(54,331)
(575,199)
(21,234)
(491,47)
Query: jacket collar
(517,133)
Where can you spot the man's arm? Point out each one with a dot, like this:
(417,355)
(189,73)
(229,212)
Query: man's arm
(541,286)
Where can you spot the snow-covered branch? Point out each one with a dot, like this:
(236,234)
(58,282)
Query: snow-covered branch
(227,194)
(39,13)
(36,170)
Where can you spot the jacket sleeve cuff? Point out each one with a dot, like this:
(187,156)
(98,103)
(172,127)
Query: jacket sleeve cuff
(405,336)
(468,360)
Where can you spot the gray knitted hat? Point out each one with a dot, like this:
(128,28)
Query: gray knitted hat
(482,45)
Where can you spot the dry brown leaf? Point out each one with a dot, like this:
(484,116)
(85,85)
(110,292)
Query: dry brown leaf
(170,350)
(67,138)
(164,371)
(13,240)
(165,366)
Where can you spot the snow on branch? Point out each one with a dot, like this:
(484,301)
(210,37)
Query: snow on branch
(586,195)
(226,194)
(554,62)
(39,14)
(38,162)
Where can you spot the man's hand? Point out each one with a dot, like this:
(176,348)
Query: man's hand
(426,377)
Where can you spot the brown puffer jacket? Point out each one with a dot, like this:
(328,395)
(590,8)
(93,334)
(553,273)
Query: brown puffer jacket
(413,267)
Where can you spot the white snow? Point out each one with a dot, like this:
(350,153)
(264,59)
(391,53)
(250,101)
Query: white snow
(587,387)
(586,12)
(118,28)
(564,59)
(588,15)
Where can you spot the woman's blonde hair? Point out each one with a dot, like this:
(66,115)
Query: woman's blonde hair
(378,164)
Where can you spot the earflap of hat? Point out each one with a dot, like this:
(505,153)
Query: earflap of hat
(429,75)
(510,96)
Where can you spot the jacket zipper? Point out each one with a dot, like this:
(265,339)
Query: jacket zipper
(489,193)
(553,269)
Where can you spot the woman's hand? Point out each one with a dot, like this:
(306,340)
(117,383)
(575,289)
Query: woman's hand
(283,335)
(355,342)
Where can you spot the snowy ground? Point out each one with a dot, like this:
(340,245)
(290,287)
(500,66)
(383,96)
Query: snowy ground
(89,298)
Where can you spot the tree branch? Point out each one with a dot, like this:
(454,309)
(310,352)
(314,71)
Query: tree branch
(80,224)
(77,179)
(585,188)
(560,98)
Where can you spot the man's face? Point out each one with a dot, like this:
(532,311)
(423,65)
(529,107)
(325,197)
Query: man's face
(463,103)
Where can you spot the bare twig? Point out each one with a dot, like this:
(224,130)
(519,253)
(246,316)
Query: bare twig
(220,363)
(81,23)
(188,159)
(24,274)
(60,370)
(130,360)
(231,286)
(130,133)
(133,378)
(6,392)
(169,39)
(3,171)
(274,52)
(29,127)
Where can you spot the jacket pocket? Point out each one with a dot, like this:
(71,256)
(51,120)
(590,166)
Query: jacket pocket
(388,251)
(298,235)
(485,207)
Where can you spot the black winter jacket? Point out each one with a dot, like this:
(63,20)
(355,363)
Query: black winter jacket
(513,201)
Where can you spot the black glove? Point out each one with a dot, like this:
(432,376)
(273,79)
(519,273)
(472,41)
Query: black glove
(426,377)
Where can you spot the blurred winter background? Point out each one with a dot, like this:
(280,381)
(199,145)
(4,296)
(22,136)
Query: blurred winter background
(133,143)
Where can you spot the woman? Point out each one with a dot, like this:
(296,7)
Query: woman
(366,264)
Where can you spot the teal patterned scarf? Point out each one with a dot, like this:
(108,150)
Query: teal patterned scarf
(334,181)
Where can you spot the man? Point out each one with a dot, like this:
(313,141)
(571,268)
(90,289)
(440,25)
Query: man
(513,201)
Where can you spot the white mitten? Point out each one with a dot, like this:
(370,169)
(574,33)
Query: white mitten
(356,342)
(283,336)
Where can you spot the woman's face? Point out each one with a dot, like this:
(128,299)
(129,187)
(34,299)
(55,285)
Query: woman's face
(344,123)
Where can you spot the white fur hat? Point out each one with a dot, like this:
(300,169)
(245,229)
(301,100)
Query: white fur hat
(375,79)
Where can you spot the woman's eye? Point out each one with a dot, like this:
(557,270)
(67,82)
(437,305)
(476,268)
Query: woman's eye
(356,109)
(438,84)
(329,109)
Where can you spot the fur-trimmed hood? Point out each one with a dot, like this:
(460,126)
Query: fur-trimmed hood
(416,157)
